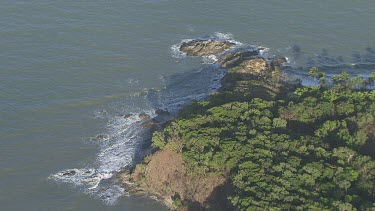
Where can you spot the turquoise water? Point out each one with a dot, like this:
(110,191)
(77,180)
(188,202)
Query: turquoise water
(69,69)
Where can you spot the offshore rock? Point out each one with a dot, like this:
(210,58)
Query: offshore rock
(205,47)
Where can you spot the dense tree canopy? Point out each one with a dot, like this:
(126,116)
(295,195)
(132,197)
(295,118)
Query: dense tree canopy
(309,151)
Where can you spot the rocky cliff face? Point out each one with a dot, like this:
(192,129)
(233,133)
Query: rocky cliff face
(164,173)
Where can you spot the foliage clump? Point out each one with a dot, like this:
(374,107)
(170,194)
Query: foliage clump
(311,151)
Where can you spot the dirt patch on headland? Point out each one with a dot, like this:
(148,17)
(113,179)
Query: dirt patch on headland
(165,176)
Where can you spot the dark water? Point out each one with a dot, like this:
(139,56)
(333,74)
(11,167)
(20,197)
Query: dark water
(68,69)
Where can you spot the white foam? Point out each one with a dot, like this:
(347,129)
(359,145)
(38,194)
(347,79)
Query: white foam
(224,36)
(263,51)
(111,195)
(175,49)
(287,60)
(210,59)
(133,81)
(116,151)
(227,37)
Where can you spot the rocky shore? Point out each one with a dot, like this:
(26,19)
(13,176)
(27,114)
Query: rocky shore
(163,173)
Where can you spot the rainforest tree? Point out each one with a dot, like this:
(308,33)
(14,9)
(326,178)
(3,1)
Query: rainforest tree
(313,150)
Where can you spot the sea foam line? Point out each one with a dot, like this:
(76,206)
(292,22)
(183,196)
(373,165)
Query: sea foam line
(116,150)
(124,136)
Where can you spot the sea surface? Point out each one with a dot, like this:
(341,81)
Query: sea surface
(69,70)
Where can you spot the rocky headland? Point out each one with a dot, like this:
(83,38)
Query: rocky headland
(163,174)
(262,141)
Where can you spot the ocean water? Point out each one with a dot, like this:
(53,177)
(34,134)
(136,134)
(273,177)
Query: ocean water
(70,69)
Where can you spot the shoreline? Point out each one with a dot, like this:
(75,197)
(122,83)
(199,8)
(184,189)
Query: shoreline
(228,57)
(263,133)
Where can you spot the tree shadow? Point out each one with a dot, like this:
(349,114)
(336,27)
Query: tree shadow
(217,201)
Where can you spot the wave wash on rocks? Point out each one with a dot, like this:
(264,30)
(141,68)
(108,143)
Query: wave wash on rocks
(164,174)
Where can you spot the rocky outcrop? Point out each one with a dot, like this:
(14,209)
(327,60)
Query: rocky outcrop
(246,70)
(205,47)
(256,77)
(257,66)
(164,175)
(230,60)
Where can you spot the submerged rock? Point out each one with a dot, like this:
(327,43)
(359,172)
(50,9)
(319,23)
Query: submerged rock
(126,116)
(151,124)
(101,137)
(69,173)
(205,47)
(161,112)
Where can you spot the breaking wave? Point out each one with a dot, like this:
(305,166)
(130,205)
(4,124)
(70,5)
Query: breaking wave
(119,146)
(125,137)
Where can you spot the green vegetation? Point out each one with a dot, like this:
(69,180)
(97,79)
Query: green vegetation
(312,151)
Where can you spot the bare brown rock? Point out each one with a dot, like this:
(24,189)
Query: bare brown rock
(205,47)
(253,66)
(256,77)
(232,59)
(248,69)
